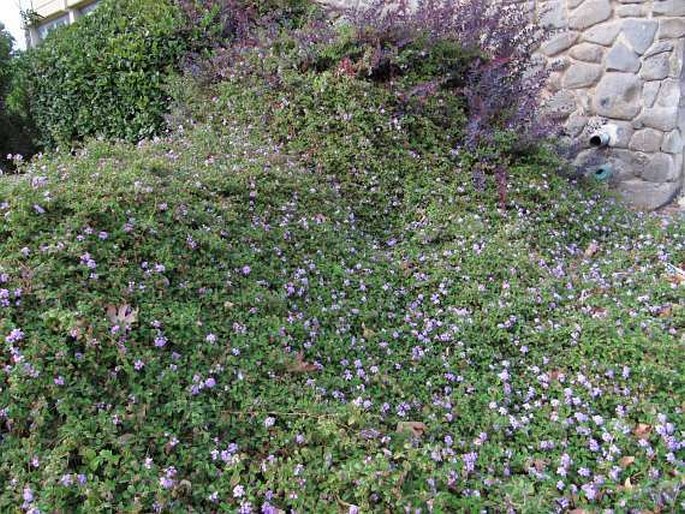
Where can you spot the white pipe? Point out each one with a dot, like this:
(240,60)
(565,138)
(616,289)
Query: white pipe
(607,135)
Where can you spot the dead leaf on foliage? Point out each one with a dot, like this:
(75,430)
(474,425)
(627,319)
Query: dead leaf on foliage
(184,488)
(578,511)
(416,428)
(540,465)
(642,430)
(124,315)
(591,250)
(628,484)
(665,311)
(676,279)
(407,268)
(599,312)
(626,461)
(555,374)
(299,365)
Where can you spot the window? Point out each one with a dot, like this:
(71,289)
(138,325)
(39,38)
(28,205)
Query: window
(89,8)
(46,28)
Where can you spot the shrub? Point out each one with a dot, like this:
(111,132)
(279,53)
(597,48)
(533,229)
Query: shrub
(481,51)
(104,75)
(15,128)
(6,42)
(387,100)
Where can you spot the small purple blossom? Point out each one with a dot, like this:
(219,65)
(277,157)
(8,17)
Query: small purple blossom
(14,336)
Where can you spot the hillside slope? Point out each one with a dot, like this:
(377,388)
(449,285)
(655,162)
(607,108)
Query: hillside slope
(215,321)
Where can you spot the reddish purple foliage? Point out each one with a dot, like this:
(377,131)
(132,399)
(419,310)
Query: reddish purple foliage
(483,53)
(504,82)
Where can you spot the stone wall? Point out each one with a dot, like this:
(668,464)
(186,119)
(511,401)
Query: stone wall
(620,63)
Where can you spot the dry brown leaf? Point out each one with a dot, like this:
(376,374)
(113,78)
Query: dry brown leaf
(299,365)
(626,461)
(628,484)
(124,315)
(591,250)
(642,430)
(578,511)
(665,311)
(555,374)
(416,428)
(540,465)
(599,312)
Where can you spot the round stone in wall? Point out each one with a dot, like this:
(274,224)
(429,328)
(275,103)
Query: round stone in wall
(618,96)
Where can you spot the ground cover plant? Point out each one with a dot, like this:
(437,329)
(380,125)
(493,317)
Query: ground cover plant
(300,300)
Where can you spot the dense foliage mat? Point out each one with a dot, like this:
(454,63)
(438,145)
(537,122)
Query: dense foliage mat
(201,324)
(321,294)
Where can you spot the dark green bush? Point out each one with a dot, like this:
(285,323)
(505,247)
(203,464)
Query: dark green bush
(16,136)
(104,75)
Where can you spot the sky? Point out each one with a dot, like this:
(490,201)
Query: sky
(9,16)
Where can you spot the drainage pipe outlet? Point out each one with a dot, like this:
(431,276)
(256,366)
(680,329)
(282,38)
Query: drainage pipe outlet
(605,136)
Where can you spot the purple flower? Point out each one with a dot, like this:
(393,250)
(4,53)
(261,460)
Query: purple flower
(246,270)
(59,381)
(88,260)
(470,461)
(166,482)
(267,508)
(161,341)
(14,336)
(269,422)
(590,491)
(238,491)
(138,365)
